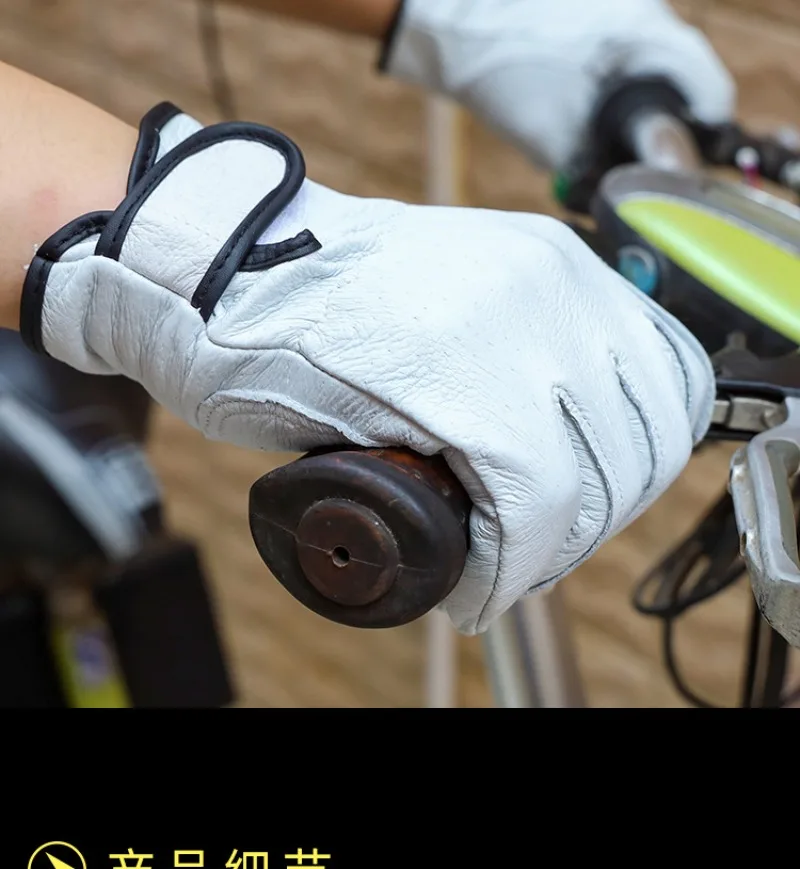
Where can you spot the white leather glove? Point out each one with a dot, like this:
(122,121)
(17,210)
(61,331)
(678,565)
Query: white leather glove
(534,69)
(274,313)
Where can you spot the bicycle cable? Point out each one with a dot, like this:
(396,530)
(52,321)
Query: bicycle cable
(699,568)
(703,565)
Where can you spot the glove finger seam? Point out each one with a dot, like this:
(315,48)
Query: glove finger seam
(671,340)
(469,477)
(569,408)
(654,442)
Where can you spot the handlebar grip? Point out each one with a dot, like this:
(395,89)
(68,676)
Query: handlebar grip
(368,538)
(612,136)
(624,100)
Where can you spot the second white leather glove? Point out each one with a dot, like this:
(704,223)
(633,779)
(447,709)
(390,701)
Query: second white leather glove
(534,69)
(274,313)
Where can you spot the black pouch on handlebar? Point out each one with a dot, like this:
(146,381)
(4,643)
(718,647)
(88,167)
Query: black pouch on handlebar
(161,616)
(28,675)
(677,281)
(711,318)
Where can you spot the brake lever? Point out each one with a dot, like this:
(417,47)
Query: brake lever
(759,401)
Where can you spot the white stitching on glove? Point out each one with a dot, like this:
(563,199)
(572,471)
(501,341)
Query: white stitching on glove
(564,399)
(533,69)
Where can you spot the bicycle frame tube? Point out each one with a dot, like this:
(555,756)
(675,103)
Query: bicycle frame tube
(531,658)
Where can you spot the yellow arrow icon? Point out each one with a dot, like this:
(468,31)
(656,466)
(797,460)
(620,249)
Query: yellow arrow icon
(55,862)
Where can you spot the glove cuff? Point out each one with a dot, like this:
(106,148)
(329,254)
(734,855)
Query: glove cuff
(199,201)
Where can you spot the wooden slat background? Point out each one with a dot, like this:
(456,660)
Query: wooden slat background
(364,135)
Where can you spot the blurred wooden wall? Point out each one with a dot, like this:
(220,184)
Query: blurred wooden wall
(364,135)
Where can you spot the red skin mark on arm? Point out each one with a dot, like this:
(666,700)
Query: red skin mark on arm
(62,158)
(44,202)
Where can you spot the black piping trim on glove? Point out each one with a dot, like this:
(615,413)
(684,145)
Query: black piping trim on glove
(35,284)
(242,242)
(33,289)
(387,43)
(265,256)
(262,256)
(144,157)
(239,253)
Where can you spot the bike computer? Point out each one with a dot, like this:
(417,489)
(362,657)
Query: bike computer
(721,256)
